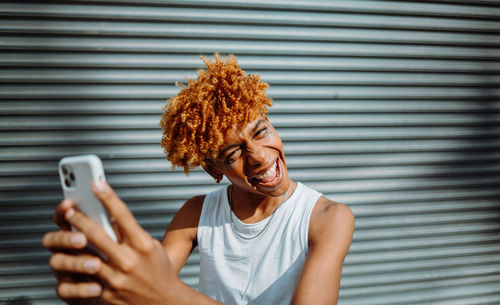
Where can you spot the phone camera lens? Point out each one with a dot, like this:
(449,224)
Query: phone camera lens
(72,176)
(64,170)
(67,182)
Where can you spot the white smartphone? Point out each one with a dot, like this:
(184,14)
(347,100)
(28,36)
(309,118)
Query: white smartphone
(76,174)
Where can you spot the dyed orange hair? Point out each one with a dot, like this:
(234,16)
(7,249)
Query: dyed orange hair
(198,119)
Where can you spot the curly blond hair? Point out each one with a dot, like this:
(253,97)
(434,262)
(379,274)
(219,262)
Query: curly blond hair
(198,119)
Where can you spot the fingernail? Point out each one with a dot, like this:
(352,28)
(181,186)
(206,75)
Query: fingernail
(99,186)
(69,214)
(77,239)
(95,290)
(91,265)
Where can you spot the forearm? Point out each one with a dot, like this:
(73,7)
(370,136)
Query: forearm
(190,296)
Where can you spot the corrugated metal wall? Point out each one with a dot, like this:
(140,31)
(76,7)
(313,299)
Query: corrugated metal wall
(391,107)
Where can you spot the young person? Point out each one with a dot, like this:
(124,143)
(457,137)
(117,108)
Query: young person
(264,239)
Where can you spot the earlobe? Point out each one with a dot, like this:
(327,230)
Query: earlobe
(218,178)
(210,169)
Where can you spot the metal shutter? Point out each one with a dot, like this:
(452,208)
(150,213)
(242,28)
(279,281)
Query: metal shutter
(390,107)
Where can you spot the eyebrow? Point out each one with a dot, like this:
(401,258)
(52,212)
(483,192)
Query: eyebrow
(257,125)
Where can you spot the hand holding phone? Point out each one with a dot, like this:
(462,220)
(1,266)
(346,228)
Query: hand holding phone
(76,174)
(137,270)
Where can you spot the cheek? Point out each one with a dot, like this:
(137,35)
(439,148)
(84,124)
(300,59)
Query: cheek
(234,169)
(275,142)
(279,148)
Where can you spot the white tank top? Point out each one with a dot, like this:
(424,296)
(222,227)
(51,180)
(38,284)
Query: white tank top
(256,263)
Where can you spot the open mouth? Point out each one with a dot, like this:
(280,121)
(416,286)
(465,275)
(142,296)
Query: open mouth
(269,177)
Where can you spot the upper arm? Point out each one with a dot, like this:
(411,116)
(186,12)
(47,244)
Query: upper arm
(180,237)
(330,234)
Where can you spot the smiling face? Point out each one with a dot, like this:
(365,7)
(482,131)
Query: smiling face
(253,160)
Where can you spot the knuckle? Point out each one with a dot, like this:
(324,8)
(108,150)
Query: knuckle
(117,282)
(128,263)
(77,218)
(59,262)
(146,245)
(108,296)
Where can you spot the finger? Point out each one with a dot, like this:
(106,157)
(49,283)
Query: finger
(95,234)
(116,229)
(67,290)
(110,276)
(61,240)
(72,268)
(61,209)
(130,230)
(108,295)
(112,296)
(86,264)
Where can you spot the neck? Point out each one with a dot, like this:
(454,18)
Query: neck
(252,207)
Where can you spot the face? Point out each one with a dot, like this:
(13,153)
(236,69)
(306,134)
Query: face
(253,160)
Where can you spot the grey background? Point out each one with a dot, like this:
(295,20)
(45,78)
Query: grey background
(390,107)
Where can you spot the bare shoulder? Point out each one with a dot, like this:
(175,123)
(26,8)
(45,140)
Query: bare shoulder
(188,215)
(331,222)
(181,235)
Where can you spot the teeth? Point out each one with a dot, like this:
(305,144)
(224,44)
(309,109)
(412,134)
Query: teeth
(269,174)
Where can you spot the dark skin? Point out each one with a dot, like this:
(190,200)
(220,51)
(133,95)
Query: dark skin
(248,155)
(140,270)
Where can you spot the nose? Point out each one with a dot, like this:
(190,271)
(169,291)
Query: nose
(255,155)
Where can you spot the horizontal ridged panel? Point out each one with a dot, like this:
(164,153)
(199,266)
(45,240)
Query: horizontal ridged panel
(220,14)
(259,32)
(113,107)
(68,91)
(290,120)
(206,46)
(251,63)
(318,78)
(388,106)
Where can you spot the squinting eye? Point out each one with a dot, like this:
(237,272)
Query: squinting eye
(263,130)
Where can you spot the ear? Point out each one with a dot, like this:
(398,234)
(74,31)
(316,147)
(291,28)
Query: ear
(210,167)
